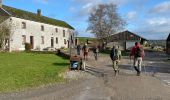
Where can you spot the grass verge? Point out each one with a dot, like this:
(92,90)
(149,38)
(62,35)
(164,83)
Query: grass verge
(20,71)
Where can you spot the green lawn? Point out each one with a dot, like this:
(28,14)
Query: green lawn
(20,71)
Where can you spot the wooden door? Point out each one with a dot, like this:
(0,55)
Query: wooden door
(32,41)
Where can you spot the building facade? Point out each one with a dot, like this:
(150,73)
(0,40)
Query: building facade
(40,31)
(126,40)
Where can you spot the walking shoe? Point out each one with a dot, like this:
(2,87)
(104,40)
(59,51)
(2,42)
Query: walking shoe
(116,72)
(138,73)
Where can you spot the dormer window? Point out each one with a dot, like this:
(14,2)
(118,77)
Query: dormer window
(42,28)
(23,25)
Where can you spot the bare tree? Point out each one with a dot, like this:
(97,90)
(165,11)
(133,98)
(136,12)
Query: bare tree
(104,21)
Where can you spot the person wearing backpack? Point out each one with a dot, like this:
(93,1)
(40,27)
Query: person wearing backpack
(96,51)
(78,49)
(138,53)
(115,59)
(85,51)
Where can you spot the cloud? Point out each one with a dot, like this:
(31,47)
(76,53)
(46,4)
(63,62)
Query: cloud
(134,11)
(131,15)
(120,2)
(137,3)
(73,9)
(86,5)
(85,10)
(161,21)
(154,28)
(86,1)
(42,1)
(163,7)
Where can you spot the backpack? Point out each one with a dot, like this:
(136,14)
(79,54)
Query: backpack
(114,54)
(96,50)
(138,52)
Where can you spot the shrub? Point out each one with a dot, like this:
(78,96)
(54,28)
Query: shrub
(64,48)
(28,46)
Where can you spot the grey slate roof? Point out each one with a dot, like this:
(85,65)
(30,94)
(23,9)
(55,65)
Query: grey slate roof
(14,12)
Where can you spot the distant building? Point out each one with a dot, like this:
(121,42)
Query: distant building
(168,45)
(125,39)
(40,31)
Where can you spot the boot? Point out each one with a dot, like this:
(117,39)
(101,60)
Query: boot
(116,72)
(138,73)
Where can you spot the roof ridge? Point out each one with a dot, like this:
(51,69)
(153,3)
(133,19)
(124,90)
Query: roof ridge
(19,13)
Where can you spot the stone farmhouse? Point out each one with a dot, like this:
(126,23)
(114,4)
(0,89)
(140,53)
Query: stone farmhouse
(34,28)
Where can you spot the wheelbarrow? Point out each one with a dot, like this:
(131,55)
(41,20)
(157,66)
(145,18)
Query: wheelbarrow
(75,62)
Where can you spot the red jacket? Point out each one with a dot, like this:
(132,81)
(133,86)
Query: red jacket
(133,50)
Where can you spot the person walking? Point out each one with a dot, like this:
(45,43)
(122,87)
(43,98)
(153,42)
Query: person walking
(115,59)
(85,51)
(96,51)
(138,54)
(78,49)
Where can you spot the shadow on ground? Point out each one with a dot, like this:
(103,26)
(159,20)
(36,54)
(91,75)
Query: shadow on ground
(146,68)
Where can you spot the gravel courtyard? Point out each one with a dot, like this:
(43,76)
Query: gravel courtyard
(98,83)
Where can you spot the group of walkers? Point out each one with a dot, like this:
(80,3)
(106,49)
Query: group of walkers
(85,49)
(137,52)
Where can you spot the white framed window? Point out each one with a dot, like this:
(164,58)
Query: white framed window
(23,39)
(56,30)
(42,39)
(64,33)
(42,28)
(56,40)
(23,25)
(65,41)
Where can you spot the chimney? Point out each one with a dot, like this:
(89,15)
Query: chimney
(0,3)
(39,12)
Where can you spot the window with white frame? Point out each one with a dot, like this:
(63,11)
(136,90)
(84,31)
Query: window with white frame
(42,28)
(65,42)
(23,39)
(56,40)
(56,30)
(42,39)
(64,33)
(23,25)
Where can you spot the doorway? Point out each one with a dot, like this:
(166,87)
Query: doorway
(68,43)
(32,41)
(52,42)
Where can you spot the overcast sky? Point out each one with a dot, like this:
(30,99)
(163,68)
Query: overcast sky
(148,18)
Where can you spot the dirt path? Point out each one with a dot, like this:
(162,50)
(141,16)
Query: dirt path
(99,83)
